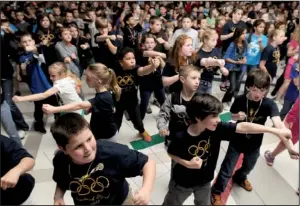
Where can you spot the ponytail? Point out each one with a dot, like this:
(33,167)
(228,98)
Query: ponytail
(114,84)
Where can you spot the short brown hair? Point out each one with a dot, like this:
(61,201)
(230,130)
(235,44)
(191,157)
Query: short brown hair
(259,79)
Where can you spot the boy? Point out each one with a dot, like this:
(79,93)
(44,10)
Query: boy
(95,171)
(196,149)
(22,25)
(253,107)
(16,184)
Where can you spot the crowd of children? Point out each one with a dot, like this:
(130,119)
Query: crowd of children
(129,52)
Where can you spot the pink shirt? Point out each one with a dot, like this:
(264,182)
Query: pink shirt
(292,121)
(291,60)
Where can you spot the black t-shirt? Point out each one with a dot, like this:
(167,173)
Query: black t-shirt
(105,183)
(104,55)
(228,28)
(272,57)
(258,112)
(159,47)
(11,155)
(6,67)
(102,119)
(131,36)
(206,146)
(150,81)
(127,80)
(169,71)
(208,73)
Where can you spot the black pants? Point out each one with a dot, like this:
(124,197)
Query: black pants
(129,104)
(235,83)
(278,84)
(38,112)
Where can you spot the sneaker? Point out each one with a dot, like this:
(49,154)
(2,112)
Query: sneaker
(246,185)
(39,127)
(22,134)
(146,136)
(127,116)
(216,199)
(149,110)
(269,158)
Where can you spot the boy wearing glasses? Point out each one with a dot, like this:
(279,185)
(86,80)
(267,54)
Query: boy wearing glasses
(251,107)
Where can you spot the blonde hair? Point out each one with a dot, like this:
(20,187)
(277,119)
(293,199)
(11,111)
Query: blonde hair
(295,35)
(207,34)
(274,33)
(107,77)
(101,23)
(185,70)
(62,69)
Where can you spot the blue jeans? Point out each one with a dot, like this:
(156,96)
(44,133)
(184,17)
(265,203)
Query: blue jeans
(7,89)
(228,165)
(8,123)
(145,96)
(205,87)
(234,77)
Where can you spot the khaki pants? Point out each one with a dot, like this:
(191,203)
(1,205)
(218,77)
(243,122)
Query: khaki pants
(129,198)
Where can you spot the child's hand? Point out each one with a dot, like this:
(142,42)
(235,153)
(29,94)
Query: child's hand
(59,201)
(241,116)
(155,62)
(48,109)
(284,134)
(17,98)
(195,163)
(10,179)
(221,62)
(87,111)
(160,40)
(119,37)
(84,46)
(45,42)
(224,71)
(112,37)
(164,132)
(67,60)
(19,78)
(73,56)
(141,197)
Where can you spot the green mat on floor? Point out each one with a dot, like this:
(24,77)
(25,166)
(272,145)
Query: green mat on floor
(157,139)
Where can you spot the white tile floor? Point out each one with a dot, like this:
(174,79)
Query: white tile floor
(272,185)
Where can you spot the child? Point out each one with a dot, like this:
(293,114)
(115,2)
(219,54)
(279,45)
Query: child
(172,117)
(235,58)
(65,84)
(152,82)
(220,22)
(31,63)
(209,55)
(67,52)
(16,183)
(270,55)
(196,149)
(95,171)
(22,25)
(182,54)
(127,73)
(252,107)
(100,78)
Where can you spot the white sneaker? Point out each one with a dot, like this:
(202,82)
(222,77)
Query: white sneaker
(22,134)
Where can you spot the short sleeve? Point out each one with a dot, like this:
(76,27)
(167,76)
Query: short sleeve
(175,147)
(225,29)
(265,54)
(273,109)
(235,107)
(59,85)
(60,172)
(167,71)
(227,128)
(294,72)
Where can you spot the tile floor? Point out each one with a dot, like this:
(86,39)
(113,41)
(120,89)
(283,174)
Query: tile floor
(272,185)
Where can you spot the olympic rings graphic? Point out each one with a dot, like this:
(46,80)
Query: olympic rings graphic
(88,185)
(200,150)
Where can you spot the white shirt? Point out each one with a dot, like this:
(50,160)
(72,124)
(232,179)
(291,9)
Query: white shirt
(67,91)
(191,33)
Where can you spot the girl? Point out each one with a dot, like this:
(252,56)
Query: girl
(127,73)
(65,84)
(181,55)
(256,43)
(235,58)
(152,82)
(211,18)
(271,56)
(68,53)
(209,59)
(293,54)
(99,77)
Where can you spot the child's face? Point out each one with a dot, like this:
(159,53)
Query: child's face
(27,41)
(74,32)
(243,36)
(82,147)
(212,41)
(131,21)
(244,18)
(128,62)
(54,75)
(265,17)
(109,27)
(162,10)
(156,26)
(45,22)
(20,16)
(211,122)
(66,36)
(56,11)
(257,94)
(103,31)
(191,82)
(187,48)
(222,23)
(92,15)
(152,11)
(203,23)
(260,28)
(237,15)
(76,13)
(280,38)
(186,23)
(69,17)
(150,44)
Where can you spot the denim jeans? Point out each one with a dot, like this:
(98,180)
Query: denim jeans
(287,105)
(235,83)
(7,89)
(205,87)
(8,123)
(145,97)
(228,165)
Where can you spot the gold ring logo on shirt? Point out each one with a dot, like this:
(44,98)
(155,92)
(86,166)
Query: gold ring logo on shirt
(88,185)
(200,150)
(125,81)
